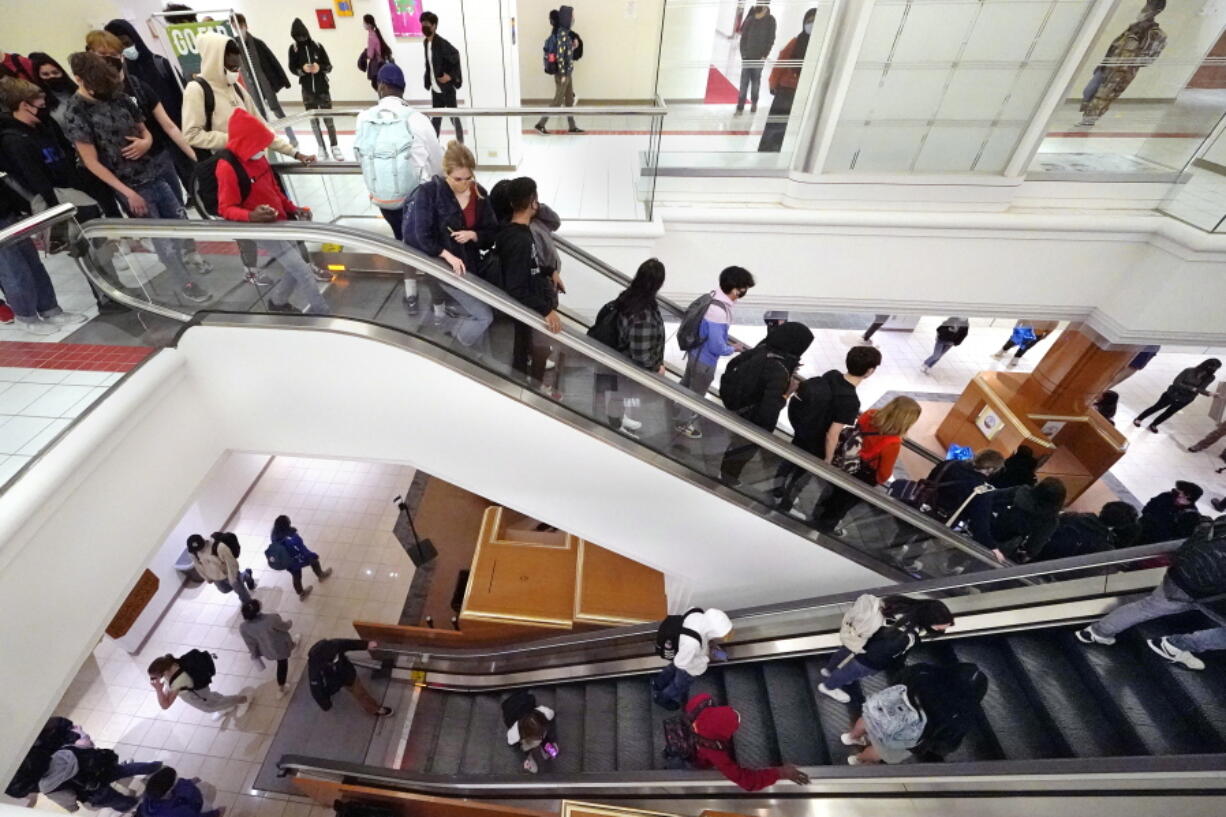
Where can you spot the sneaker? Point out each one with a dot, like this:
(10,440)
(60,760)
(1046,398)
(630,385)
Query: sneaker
(630,425)
(926,369)
(1087,635)
(6,314)
(738,111)
(324,576)
(383,712)
(40,328)
(305,593)
(691,431)
(1153,429)
(64,318)
(195,294)
(410,305)
(867,342)
(539,128)
(321,275)
(120,263)
(848,740)
(282,691)
(196,261)
(854,760)
(280,307)
(575,129)
(337,155)
(255,276)
(838,694)
(1170,652)
(998,355)
(1012,364)
(1219,505)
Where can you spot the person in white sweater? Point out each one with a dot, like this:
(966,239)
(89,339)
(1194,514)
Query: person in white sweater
(695,648)
(217,564)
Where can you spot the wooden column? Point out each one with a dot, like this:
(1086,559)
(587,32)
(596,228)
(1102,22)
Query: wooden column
(1072,374)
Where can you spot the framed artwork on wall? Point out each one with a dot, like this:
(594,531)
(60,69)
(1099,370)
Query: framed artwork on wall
(324,18)
(406,16)
(344,8)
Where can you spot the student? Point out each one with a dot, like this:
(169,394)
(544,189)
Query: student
(263,71)
(1196,580)
(450,217)
(696,646)
(267,636)
(1182,391)
(24,279)
(217,564)
(905,622)
(220,62)
(532,729)
(168,795)
(1019,469)
(1171,514)
(1115,526)
(59,87)
(396,148)
(524,279)
(265,203)
(954,481)
(152,69)
(286,535)
(757,384)
(308,60)
(757,40)
(443,76)
(106,127)
(950,333)
(783,81)
(376,54)
(640,332)
(1025,336)
(925,716)
(1212,437)
(821,408)
(878,322)
(1107,404)
(88,776)
(881,432)
(170,679)
(330,671)
(1024,519)
(562,49)
(701,363)
(715,727)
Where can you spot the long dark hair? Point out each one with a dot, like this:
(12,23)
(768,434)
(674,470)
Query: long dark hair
(385,50)
(640,296)
(282,528)
(1211,365)
(916,614)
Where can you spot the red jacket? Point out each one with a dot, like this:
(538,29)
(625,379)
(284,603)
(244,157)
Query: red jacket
(879,449)
(249,136)
(720,723)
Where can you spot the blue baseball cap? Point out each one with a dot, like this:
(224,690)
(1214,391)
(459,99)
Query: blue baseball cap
(390,74)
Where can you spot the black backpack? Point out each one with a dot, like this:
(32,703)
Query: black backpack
(740,387)
(689,333)
(204,180)
(57,734)
(810,408)
(605,328)
(228,539)
(668,636)
(199,666)
(95,770)
(517,705)
(490,270)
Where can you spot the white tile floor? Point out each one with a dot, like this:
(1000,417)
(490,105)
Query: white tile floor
(344,513)
(37,404)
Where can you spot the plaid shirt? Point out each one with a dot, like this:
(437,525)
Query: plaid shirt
(643,334)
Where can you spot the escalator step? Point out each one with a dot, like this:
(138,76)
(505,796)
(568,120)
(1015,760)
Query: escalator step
(793,713)
(1021,728)
(658,715)
(427,719)
(979,743)
(1116,673)
(833,717)
(1071,706)
(451,737)
(710,683)
(1202,691)
(634,741)
(568,704)
(486,733)
(600,727)
(755,742)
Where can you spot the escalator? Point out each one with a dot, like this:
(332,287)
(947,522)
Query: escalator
(879,534)
(1058,715)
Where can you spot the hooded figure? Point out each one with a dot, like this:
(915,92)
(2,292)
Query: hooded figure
(152,69)
(306,51)
(694,655)
(228,96)
(1019,469)
(1023,519)
(1171,514)
(1080,534)
(714,727)
(59,89)
(784,78)
(949,697)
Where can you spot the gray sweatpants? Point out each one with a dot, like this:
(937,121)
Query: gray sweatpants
(209,700)
(698,378)
(1166,600)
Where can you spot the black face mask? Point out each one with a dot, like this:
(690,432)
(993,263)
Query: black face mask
(61,85)
(301,40)
(44,113)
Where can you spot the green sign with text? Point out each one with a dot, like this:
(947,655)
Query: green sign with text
(182,39)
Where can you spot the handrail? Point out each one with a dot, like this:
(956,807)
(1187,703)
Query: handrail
(36,223)
(603,355)
(657,109)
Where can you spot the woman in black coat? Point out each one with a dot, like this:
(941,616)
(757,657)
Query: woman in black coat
(1181,392)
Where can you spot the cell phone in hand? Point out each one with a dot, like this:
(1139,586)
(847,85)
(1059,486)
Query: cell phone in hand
(550,749)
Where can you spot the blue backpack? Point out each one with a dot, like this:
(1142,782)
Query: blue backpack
(278,556)
(382,149)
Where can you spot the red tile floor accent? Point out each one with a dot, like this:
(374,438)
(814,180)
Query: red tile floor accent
(79,356)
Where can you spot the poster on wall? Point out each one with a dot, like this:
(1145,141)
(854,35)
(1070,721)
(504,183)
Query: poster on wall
(324,18)
(988,422)
(182,39)
(406,15)
(344,8)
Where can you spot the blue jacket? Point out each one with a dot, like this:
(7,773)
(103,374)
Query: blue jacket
(297,549)
(183,800)
(432,210)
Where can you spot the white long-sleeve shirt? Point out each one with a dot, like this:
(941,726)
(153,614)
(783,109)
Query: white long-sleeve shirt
(693,655)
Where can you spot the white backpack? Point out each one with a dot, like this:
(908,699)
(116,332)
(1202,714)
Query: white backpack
(860,622)
(382,148)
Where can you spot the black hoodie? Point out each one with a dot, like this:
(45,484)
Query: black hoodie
(152,69)
(780,354)
(305,52)
(38,157)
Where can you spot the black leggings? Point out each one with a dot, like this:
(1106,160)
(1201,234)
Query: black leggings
(296,574)
(282,671)
(1169,404)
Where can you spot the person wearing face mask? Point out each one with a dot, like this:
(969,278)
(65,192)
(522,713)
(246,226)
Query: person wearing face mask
(1140,45)
(308,60)
(265,202)
(52,78)
(220,61)
(262,70)
(450,217)
(152,69)
(784,78)
(443,77)
(105,125)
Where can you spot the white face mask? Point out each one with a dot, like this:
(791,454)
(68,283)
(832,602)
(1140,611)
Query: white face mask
(232,77)
(131,53)
(808,28)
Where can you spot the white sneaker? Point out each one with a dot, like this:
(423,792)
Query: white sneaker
(65,319)
(630,425)
(337,155)
(41,328)
(1170,652)
(998,355)
(1088,636)
(838,694)
(848,740)
(282,691)
(120,263)
(926,369)
(216,716)
(825,672)
(197,262)
(854,760)
(1012,364)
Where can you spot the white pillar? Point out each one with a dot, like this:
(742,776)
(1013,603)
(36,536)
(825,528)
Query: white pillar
(491,79)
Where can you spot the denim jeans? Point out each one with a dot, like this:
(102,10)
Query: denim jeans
(472,326)
(938,352)
(25,282)
(751,85)
(842,674)
(162,203)
(671,687)
(1213,638)
(244,587)
(298,275)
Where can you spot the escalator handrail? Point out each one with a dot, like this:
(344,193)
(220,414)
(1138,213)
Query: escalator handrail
(658,108)
(36,223)
(372,242)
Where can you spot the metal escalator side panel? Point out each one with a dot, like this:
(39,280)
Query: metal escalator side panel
(794,714)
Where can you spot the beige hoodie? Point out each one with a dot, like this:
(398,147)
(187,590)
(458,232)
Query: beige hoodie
(226,98)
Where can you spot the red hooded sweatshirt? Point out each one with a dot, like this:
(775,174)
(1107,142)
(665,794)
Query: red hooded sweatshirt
(720,723)
(249,136)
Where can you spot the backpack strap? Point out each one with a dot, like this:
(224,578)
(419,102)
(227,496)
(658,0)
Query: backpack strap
(210,102)
(244,183)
